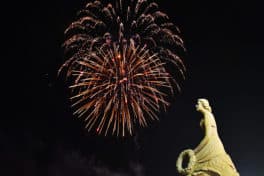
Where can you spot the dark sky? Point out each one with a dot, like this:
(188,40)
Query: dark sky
(224,60)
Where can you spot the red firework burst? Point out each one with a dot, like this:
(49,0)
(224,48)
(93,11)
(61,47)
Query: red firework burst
(119,59)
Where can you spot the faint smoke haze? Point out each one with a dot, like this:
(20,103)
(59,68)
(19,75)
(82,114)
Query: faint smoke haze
(75,164)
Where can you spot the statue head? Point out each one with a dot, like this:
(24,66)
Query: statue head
(203,105)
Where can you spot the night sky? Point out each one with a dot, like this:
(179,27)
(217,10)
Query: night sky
(224,59)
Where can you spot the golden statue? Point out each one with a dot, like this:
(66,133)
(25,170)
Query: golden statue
(209,158)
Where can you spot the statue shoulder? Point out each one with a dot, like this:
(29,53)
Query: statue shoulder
(208,116)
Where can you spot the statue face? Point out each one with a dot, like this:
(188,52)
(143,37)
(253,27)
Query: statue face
(199,105)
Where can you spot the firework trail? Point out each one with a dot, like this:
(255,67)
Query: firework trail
(119,57)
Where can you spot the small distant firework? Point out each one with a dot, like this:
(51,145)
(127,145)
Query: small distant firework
(118,64)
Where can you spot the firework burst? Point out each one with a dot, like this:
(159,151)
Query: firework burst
(119,59)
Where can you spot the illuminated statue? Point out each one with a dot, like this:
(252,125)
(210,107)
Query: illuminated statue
(209,158)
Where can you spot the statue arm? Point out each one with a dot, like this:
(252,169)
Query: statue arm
(208,132)
(208,125)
